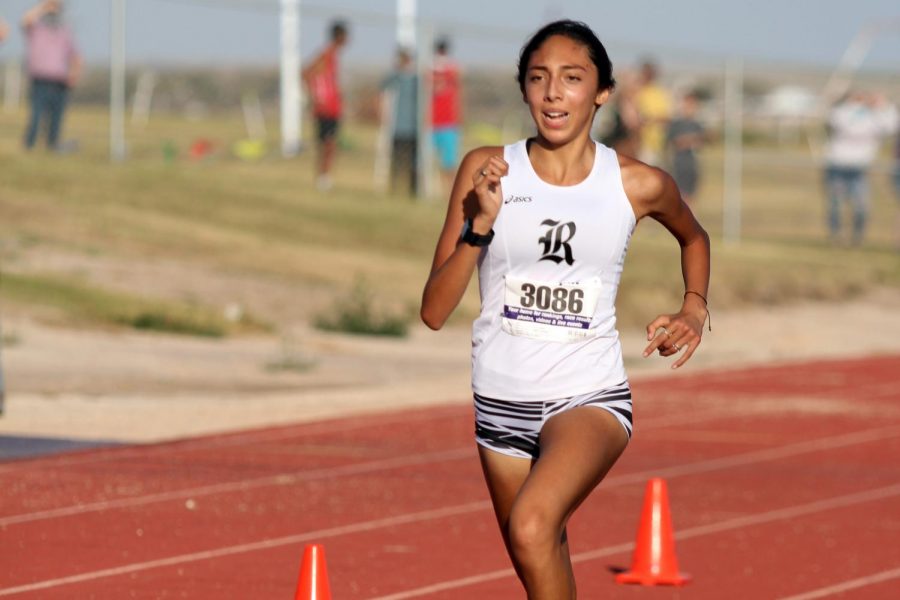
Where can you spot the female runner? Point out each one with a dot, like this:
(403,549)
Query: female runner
(547,221)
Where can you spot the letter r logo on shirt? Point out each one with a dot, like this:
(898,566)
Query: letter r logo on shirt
(557,238)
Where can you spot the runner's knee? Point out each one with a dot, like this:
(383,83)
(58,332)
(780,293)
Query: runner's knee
(532,531)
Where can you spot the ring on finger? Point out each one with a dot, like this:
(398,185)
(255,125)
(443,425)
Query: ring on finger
(677,348)
(484,173)
(666,331)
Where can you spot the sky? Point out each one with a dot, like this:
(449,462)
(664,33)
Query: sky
(246,32)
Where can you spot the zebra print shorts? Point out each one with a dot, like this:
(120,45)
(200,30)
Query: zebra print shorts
(513,427)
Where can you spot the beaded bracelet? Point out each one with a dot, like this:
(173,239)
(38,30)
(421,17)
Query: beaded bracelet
(705,305)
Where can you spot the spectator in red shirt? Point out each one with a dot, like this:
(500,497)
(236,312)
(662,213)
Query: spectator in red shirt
(321,78)
(445,104)
(54,67)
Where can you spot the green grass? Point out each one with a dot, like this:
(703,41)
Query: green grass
(753,273)
(87,304)
(265,219)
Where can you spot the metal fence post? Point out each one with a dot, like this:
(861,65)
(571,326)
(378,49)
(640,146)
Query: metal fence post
(734,126)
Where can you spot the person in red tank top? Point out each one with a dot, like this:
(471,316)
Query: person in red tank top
(445,105)
(321,78)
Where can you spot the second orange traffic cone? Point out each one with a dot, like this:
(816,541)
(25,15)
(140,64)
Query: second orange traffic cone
(654,560)
(313,584)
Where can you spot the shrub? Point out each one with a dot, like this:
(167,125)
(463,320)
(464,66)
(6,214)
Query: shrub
(358,314)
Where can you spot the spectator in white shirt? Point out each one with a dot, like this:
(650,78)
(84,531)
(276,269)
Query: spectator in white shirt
(856,127)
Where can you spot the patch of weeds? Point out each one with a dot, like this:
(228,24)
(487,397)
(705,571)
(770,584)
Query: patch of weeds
(291,363)
(290,359)
(9,340)
(80,301)
(358,314)
(173,322)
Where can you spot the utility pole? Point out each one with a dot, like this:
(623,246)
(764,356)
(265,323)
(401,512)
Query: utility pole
(290,78)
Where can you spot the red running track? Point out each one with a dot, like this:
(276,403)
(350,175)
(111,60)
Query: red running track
(783,482)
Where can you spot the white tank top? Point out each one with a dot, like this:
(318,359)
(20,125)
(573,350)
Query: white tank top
(548,284)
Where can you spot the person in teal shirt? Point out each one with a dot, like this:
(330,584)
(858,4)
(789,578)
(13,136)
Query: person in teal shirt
(403,81)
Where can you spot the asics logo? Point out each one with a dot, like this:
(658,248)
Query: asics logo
(513,199)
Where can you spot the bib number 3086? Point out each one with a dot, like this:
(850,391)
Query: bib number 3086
(550,311)
(557,299)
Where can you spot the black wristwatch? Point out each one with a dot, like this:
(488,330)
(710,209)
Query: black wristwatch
(475,239)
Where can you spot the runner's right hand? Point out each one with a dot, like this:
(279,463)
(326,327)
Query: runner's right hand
(486,180)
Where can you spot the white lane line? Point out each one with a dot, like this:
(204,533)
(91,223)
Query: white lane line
(242,485)
(485,505)
(216,441)
(286,432)
(693,532)
(848,585)
(278,432)
(756,456)
(747,458)
(363,526)
(270,480)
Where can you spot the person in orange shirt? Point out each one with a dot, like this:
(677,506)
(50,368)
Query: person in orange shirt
(321,78)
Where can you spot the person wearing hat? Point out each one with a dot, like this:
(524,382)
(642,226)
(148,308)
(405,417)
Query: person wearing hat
(54,67)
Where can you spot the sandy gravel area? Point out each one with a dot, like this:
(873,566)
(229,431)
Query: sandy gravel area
(126,386)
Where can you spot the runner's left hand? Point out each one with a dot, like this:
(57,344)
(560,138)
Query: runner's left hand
(671,334)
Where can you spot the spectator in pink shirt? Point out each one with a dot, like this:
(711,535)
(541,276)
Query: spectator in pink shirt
(54,66)
(4,29)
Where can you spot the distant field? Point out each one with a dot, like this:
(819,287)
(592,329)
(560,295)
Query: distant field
(266,220)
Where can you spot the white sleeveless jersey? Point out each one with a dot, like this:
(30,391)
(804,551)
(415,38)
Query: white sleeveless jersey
(548,282)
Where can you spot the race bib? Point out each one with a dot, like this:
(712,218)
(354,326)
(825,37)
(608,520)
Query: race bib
(556,312)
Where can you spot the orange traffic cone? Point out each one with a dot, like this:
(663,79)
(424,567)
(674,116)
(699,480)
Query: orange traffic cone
(654,561)
(313,584)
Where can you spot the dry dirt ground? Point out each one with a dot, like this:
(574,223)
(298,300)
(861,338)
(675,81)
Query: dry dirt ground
(129,386)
